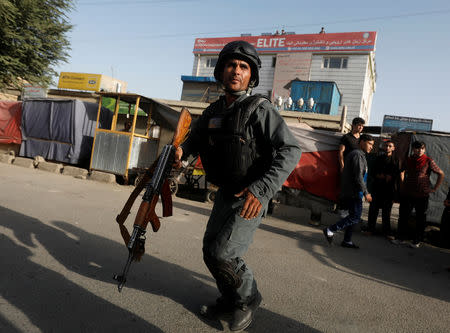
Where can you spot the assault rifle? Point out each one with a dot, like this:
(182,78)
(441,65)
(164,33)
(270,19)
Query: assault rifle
(158,185)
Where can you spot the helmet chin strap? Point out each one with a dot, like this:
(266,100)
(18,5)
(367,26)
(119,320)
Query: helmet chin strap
(239,93)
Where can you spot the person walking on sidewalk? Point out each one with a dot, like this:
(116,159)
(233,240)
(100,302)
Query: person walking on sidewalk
(415,192)
(353,188)
(248,151)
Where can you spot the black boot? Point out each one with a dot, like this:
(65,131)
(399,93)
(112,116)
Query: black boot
(243,314)
(222,306)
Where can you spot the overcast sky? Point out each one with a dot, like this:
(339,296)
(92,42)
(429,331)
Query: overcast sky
(149,43)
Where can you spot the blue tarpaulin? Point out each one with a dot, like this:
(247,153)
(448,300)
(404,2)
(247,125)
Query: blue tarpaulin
(60,130)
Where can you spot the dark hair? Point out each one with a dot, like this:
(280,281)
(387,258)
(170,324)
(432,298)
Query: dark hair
(389,141)
(418,144)
(366,137)
(358,120)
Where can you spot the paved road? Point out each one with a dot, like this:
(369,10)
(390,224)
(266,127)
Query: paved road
(60,248)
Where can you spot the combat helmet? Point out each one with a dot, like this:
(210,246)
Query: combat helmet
(242,50)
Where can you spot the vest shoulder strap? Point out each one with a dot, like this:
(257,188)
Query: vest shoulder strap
(248,106)
(211,108)
(244,109)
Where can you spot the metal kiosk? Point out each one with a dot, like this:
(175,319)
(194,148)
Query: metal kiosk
(132,142)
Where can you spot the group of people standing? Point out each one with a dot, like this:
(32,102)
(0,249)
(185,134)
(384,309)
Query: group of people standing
(408,182)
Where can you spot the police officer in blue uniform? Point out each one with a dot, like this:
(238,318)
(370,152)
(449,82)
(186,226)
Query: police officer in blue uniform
(248,152)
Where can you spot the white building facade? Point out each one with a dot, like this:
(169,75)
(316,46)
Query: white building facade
(345,58)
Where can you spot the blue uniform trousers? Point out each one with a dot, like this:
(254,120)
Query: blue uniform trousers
(227,238)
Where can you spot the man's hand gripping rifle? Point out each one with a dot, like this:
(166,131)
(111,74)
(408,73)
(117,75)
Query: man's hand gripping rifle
(157,186)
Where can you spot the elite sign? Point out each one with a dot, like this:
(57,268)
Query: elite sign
(347,41)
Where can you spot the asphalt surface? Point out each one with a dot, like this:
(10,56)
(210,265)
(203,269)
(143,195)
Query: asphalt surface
(60,247)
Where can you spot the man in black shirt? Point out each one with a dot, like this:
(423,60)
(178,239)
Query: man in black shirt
(386,172)
(350,141)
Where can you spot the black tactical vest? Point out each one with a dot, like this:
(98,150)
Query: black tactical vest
(231,157)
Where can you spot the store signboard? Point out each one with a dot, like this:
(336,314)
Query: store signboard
(79,81)
(32,91)
(392,124)
(326,42)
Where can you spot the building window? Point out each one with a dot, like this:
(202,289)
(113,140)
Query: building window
(274,61)
(211,62)
(335,62)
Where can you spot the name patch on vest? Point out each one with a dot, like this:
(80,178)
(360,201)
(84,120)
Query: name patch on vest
(215,123)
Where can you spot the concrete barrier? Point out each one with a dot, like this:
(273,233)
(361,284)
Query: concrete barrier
(50,167)
(75,172)
(24,162)
(6,158)
(102,177)
(38,159)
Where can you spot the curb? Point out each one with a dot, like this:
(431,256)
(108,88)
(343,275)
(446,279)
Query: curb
(50,167)
(74,172)
(24,162)
(6,158)
(102,177)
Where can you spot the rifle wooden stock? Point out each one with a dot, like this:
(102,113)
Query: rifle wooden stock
(182,130)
